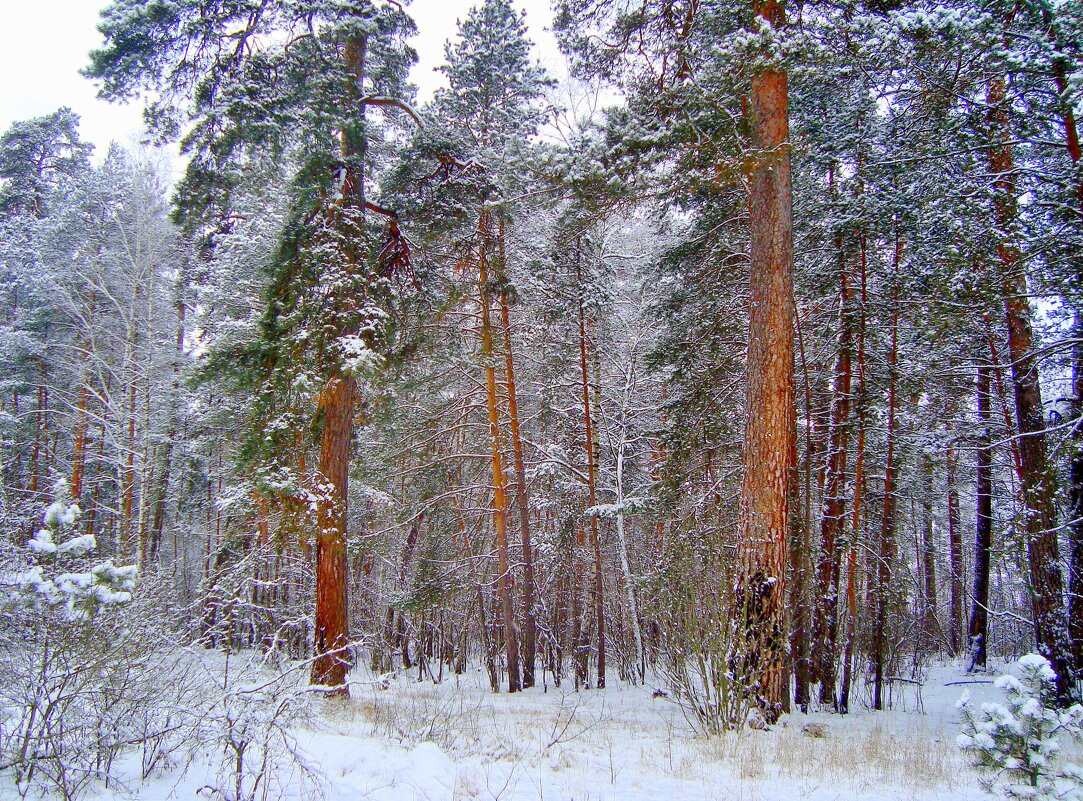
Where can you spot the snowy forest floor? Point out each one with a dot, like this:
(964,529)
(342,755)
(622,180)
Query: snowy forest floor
(401,740)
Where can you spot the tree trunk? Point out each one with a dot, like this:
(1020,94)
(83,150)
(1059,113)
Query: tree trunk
(955,554)
(595,542)
(887,533)
(799,648)
(983,547)
(332,620)
(500,493)
(769,412)
(834,502)
(1047,587)
(1075,506)
(929,624)
(859,494)
(522,492)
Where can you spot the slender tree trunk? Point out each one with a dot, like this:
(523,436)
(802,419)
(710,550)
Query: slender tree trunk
(859,494)
(955,553)
(769,412)
(78,456)
(1075,506)
(522,491)
(1047,587)
(930,626)
(886,554)
(500,493)
(622,543)
(595,541)
(799,602)
(979,614)
(834,502)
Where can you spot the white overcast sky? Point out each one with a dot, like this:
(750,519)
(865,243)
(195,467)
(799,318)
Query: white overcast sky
(43,45)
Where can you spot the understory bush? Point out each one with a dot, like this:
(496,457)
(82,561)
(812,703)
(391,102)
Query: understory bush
(1018,744)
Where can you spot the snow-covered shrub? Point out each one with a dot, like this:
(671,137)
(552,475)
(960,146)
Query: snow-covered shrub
(246,730)
(69,664)
(1019,743)
(56,580)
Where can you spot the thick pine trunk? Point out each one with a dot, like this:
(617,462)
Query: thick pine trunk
(332,621)
(760,640)
(1047,587)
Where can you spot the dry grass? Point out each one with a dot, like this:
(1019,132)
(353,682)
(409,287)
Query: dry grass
(918,758)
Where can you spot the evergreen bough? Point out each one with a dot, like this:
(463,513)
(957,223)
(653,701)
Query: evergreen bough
(1019,742)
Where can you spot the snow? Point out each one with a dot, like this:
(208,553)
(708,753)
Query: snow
(400,740)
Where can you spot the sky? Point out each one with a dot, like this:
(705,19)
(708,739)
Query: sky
(43,45)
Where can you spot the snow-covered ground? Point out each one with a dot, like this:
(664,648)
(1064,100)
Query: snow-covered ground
(408,741)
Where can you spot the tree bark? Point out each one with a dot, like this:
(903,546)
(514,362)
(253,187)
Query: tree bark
(1047,586)
(955,554)
(769,413)
(929,621)
(979,613)
(834,502)
(887,533)
(500,492)
(522,491)
(859,494)
(332,621)
(595,541)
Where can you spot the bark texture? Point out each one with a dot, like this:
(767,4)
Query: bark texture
(760,645)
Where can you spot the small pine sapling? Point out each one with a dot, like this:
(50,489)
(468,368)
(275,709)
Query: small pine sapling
(1019,742)
(55,580)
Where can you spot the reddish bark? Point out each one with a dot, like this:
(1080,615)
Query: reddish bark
(1047,587)
(769,413)
(522,491)
(332,660)
(500,492)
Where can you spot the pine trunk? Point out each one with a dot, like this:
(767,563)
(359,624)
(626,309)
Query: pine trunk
(955,554)
(887,532)
(595,543)
(500,492)
(979,613)
(332,621)
(769,412)
(859,495)
(834,504)
(522,495)
(1047,587)
(929,623)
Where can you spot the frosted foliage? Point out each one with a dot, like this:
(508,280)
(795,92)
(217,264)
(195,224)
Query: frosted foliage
(64,575)
(1018,743)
